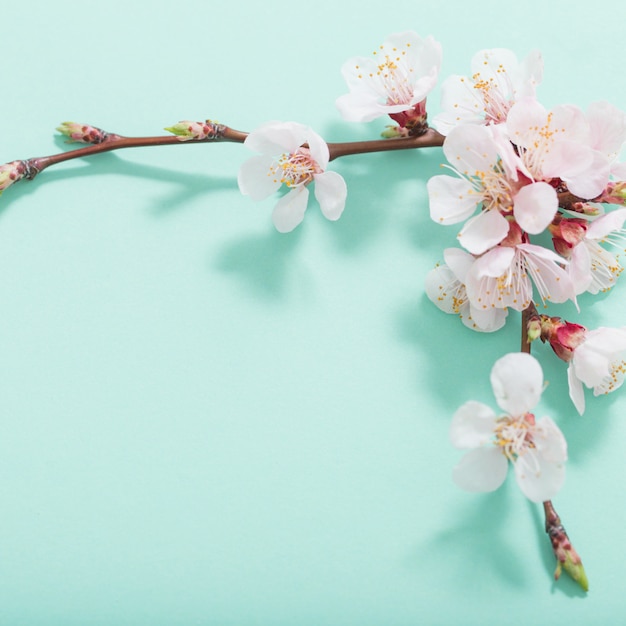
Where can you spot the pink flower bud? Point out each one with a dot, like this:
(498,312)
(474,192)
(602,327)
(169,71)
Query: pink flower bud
(199,131)
(12,172)
(563,337)
(82,133)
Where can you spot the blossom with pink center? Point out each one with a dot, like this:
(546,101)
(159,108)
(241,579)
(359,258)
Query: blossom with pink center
(592,267)
(498,80)
(535,447)
(491,176)
(505,275)
(596,358)
(598,362)
(394,82)
(561,144)
(445,286)
(292,155)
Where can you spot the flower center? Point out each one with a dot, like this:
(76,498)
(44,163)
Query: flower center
(393,75)
(514,435)
(496,104)
(496,189)
(295,169)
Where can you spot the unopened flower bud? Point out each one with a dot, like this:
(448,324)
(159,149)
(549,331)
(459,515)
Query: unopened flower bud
(566,556)
(563,337)
(12,172)
(187,130)
(83,133)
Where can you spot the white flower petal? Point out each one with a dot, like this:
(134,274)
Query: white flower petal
(608,128)
(255,178)
(594,358)
(579,268)
(470,149)
(549,440)
(331,192)
(576,391)
(517,381)
(458,261)
(524,119)
(592,180)
(484,231)
(276,138)
(289,211)
(319,149)
(444,289)
(485,320)
(472,425)
(460,103)
(538,478)
(452,199)
(535,206)
(481,470)
(544,267)
(606,224)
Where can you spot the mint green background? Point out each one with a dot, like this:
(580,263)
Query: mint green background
(206,422)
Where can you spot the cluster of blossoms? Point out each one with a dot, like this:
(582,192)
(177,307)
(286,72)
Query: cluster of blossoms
(395,83)
(539,200)
(520,175)
(519,171)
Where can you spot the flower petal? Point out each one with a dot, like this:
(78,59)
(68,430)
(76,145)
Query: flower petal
(576,391)
(472,425)
(331,192)
(443,289)
(319,149)
(289,211)
(534,207)
(481,470)
(538,478)
(275,138)
(255,178)
(517,381)
(485,320)
(606,224)
(452,199)
(470,149)
(458,261)
(484,231)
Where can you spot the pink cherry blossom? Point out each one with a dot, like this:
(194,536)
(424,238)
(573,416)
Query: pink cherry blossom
(292,155)
(535,447)
(507,275)
(394,81)
(498,80)
(598,362)
(445,286)
(491,177)
(592,267)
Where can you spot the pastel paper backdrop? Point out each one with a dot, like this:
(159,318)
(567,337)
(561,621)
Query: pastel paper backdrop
(207,422)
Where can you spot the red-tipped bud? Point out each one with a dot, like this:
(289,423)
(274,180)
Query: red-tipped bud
(82,133)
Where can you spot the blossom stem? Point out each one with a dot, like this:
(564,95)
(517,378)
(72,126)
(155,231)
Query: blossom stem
(118,142)
(566,556)
(527,314)
(112,141)
(430,139)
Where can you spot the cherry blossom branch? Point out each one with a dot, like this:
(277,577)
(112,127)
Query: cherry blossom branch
(185,133)
(566,556)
